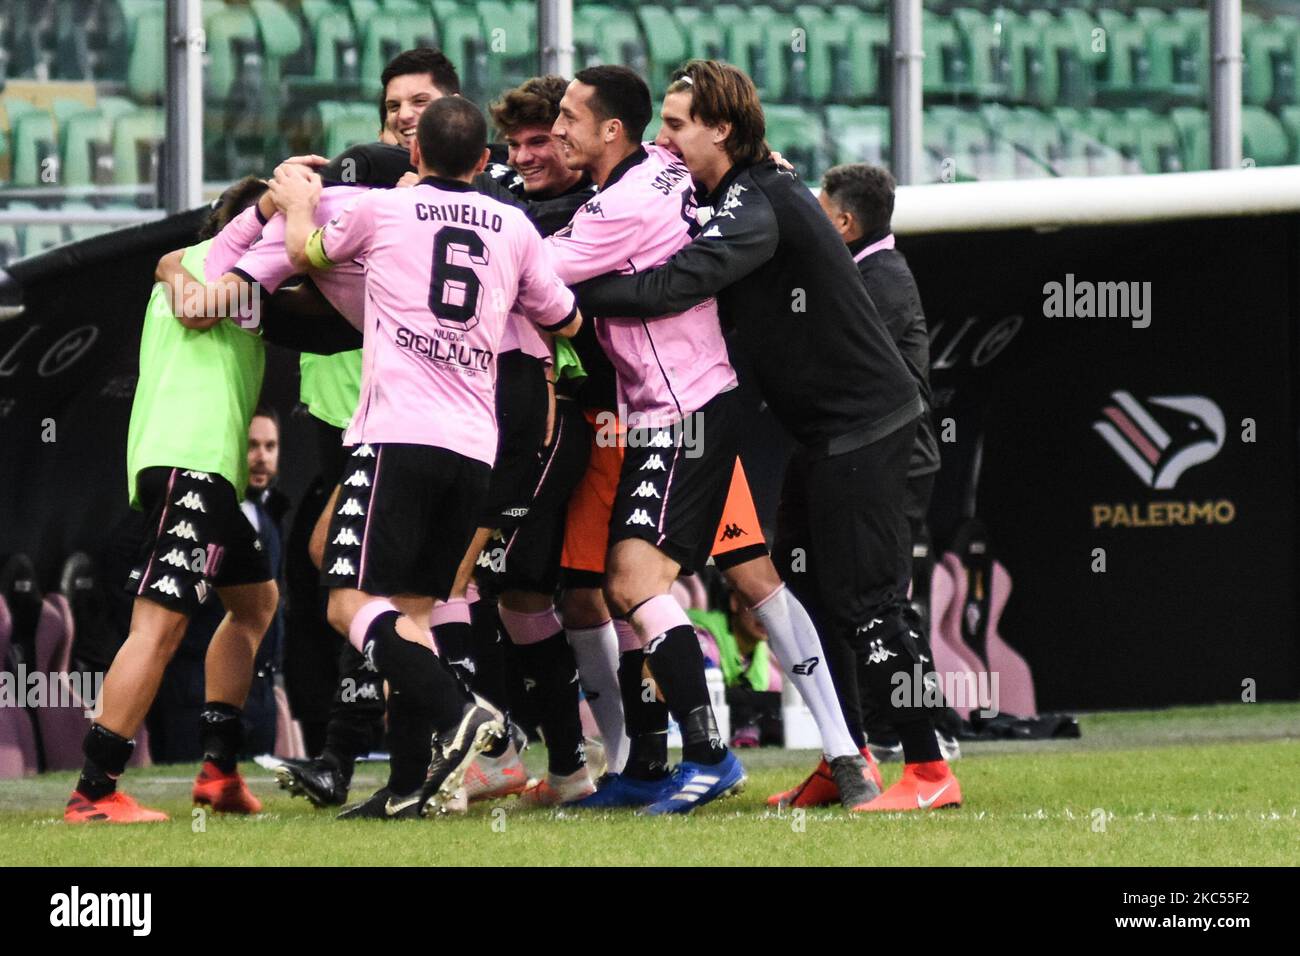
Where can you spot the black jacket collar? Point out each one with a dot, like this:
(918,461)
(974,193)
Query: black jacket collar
(857,245)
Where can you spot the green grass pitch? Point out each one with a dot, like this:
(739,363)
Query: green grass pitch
(1209,786)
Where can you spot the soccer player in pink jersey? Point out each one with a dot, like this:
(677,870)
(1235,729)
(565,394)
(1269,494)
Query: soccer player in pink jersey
(677,387)
(444,267)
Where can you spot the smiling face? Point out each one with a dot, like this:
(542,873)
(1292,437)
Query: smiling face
(697,145)
(583,138)
(405,98)
(538,158)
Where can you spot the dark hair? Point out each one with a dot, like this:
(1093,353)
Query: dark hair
(721,93)
(452,135)
(866,191)
(266,411)
(621,95)
(231,203)
(535,102)
(422,59)
(383,109)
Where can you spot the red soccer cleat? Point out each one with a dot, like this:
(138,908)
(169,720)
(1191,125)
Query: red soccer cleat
(819,789)
(923,786)
(224,792)
(117,807)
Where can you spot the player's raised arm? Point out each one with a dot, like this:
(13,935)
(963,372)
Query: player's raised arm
(543,296)
(732,245)
(296,191)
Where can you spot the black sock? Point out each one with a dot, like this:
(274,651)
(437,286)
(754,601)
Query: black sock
(356,722)
(414,669)
(410,744)
(487,649)
(646,720)
(455,647)
(222,733)
(106,757)
(678,665)
(890,645)
(551,665)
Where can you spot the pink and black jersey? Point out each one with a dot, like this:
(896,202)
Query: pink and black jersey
(670,365)
(444,268)
(267,263)
(231,242)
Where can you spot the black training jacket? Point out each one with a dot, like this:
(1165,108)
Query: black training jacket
(824,361)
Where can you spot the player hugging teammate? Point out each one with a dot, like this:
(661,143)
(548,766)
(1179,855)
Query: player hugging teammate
(471,447)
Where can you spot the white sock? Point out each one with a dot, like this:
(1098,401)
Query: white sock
(596,650)
(794,639)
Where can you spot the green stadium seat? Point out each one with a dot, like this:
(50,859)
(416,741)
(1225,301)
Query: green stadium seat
(1267,71)
(808,56)
(989,50)
(333,44)
(353,125)
(1263,138)
(757,43)
(1289,116)
(1020,46)
(947,67)
(36,237)
(1061,74)
(1033,135)
(35,149)
(858,134)
(665,45)
(510,53)
(137,139)
(415,20)
(146,69)
(1176,66)
(87,149)
(799,136)
(1149,140)
(281,39)
(1193,125)
(847,59)
(234,50)
(381,40)
(1123,68)
(606,34)
(462,41)
(75,232)
(705,37)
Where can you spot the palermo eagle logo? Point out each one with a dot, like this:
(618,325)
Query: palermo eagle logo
(1163,437)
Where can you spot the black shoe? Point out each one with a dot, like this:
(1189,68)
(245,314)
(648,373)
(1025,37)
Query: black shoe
(318,780)
(383,804)
(455,750)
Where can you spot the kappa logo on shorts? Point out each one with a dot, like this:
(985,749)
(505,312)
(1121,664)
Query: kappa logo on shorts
(167,585)
(175,558)
(879,654)
(639,516)
(653,463)
(197,476)
(192,500)
(807,666)
(733,531)
(358,480)
(352,507)
(645,490)
(346,536)
(661,440)
(364,451)
(183,529)
(342,566)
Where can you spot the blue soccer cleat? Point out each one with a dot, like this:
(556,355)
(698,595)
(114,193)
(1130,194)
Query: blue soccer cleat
(616,790)
(700,783)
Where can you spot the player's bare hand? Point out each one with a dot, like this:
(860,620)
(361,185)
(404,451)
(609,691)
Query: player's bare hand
(408,179)
(782,161)
(289,187)
(308,161)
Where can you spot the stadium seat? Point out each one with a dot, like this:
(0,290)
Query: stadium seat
(1033,135)
(234,53)
(946,68)
(1061,72)
(989,50)
(1176,66)
(1289,116)
(146,69)
(36,237)
(1149,139)
(137,138)
(799,136)
(382,39)
(348,125)
(1193,125)
(415,20)
(462,40)
(35,149)
(71,58)
(757,44)
(705,37)
(87,149)
(281,39)
(1263,138)
(858,134)
(665,45)
(607,34)
(1123,67)
(333,42)
(1266,69)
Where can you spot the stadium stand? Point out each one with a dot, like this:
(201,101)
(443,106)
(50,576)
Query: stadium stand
(1012,88)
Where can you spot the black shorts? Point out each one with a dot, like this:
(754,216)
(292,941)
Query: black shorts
(674,482)
(527,558)
(521,429)
(199,539)
(404,517)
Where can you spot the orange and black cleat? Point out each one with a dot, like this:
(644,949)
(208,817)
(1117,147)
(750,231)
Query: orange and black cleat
(819,789)
(117,807)
(923,786)
(224,792)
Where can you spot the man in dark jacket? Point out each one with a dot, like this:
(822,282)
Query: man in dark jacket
(831,374)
